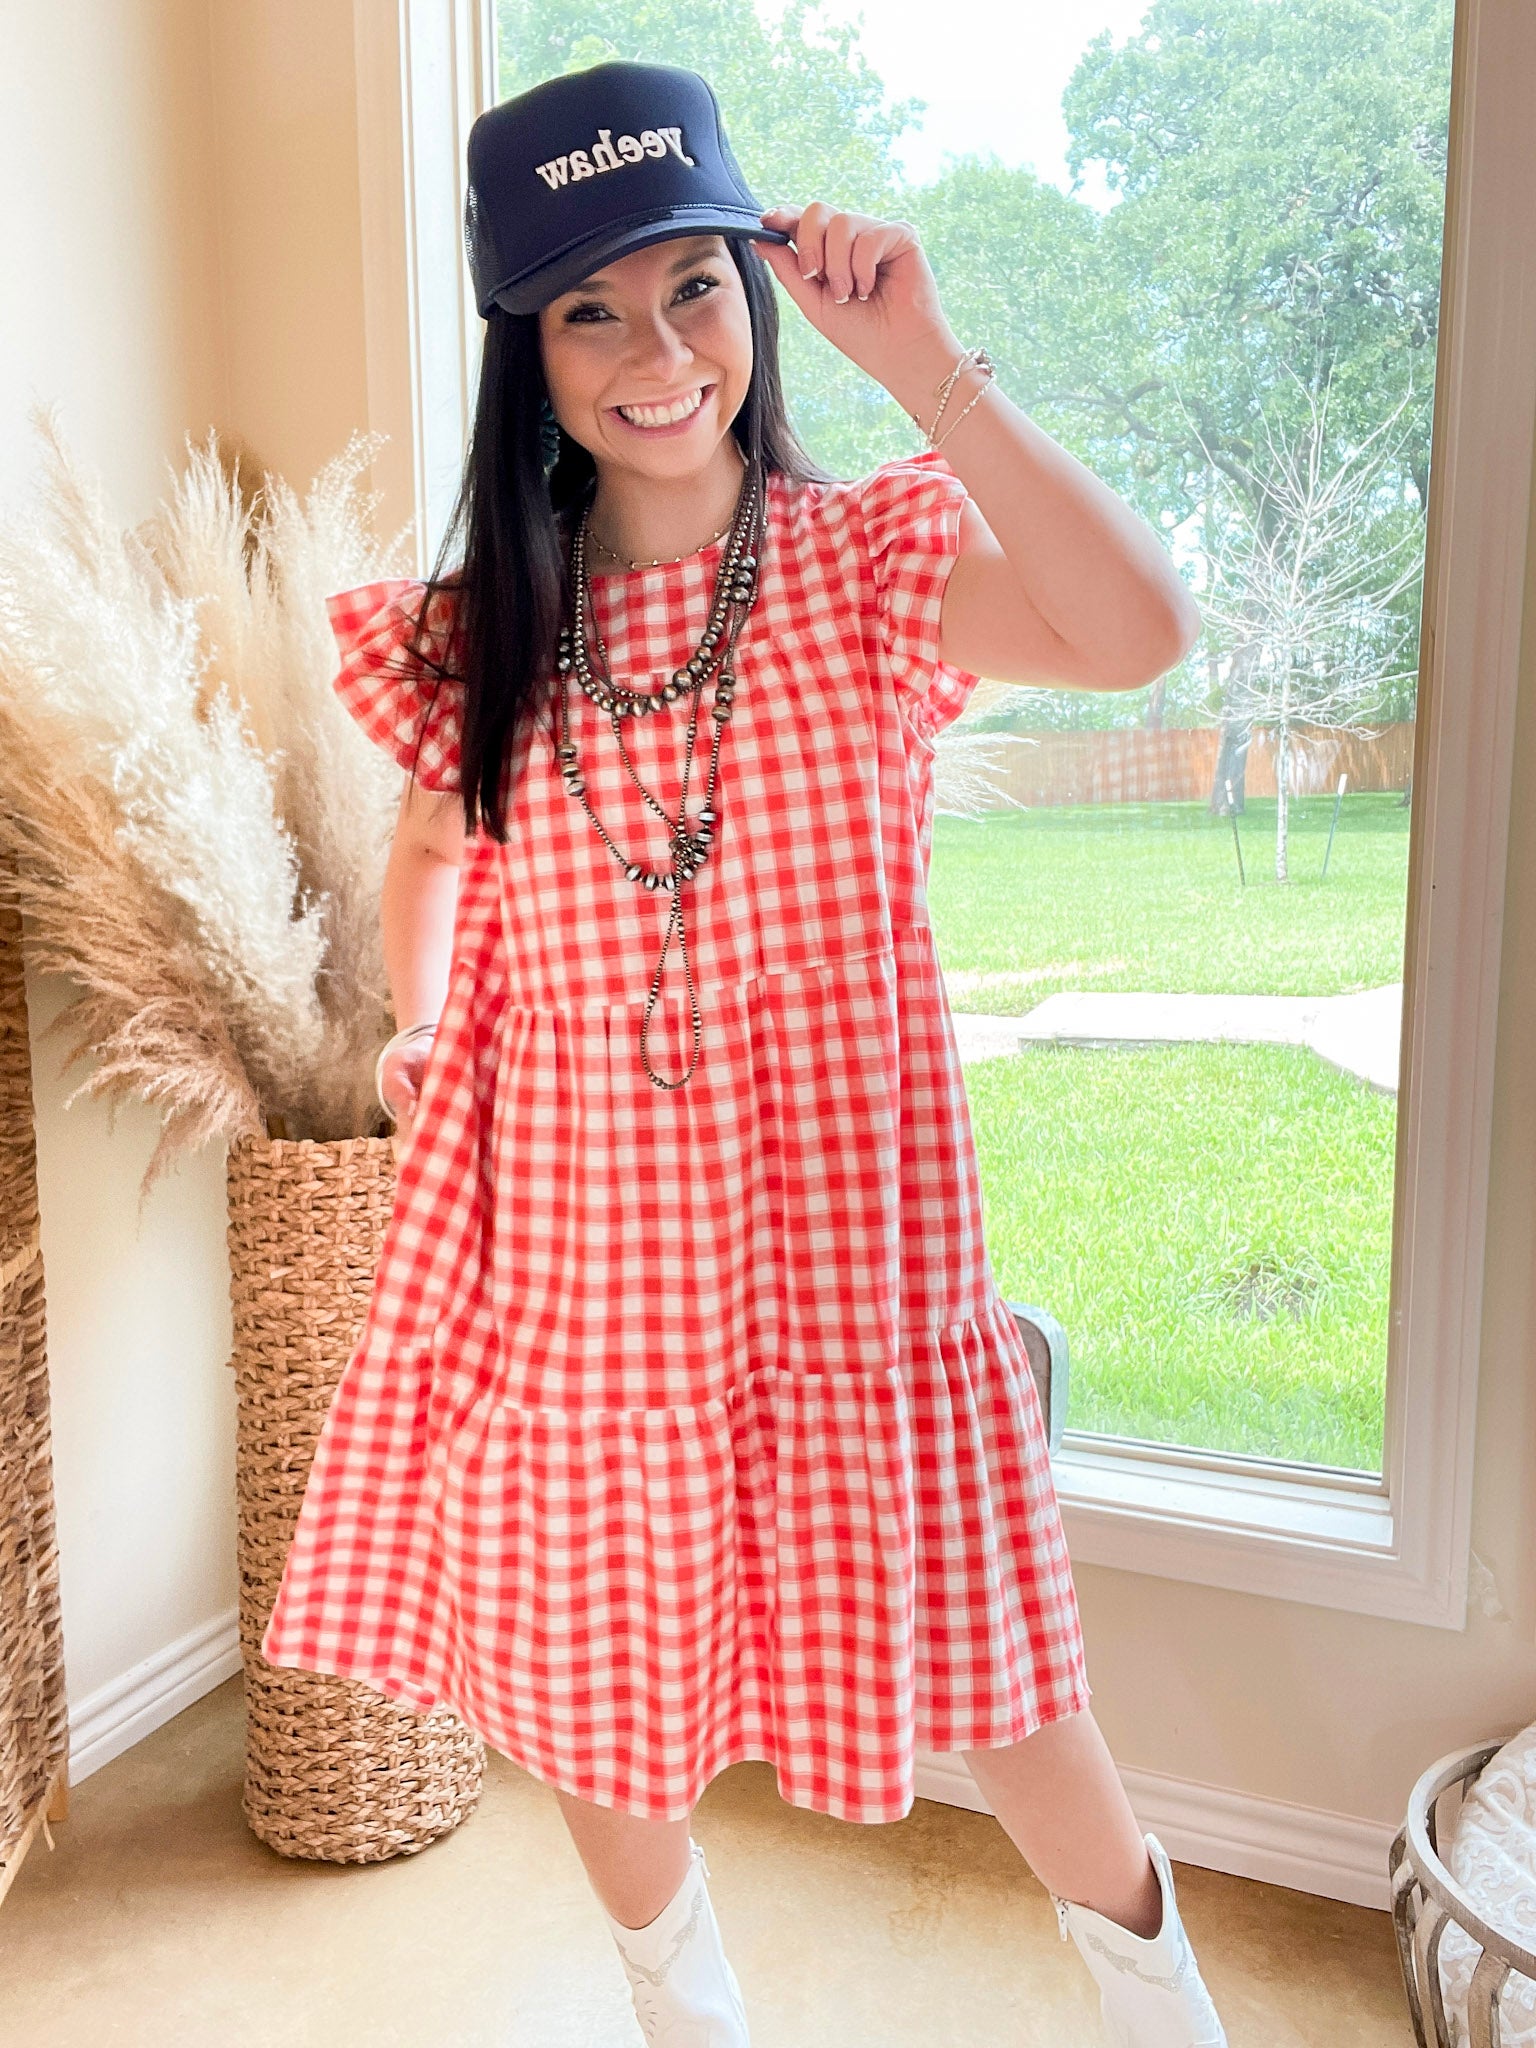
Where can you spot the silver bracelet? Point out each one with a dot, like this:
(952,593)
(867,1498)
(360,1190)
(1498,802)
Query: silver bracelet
(400,1038)
(971,359)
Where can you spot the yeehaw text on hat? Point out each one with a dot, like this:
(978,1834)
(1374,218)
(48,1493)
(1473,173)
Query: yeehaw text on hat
(606,155)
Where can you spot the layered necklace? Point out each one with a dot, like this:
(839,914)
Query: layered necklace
(735,593)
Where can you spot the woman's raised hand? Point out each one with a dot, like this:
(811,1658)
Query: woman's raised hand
(863,283)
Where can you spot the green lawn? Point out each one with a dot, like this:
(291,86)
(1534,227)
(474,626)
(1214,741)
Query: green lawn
(1147,896)
(1211,1223)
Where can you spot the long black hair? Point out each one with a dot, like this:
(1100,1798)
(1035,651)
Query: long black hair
(510,585)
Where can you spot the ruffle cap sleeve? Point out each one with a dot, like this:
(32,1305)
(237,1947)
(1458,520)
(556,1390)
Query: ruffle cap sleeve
(400,704)
(911,518)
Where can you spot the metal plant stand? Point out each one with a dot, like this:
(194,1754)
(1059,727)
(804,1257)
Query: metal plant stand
(1426,1899)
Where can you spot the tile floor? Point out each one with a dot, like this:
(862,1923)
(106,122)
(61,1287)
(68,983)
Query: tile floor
(160,1921)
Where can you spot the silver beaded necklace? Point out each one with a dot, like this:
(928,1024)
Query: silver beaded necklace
(736,587)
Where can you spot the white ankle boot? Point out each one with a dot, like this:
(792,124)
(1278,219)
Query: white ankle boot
(1151,1994)
(685,1991)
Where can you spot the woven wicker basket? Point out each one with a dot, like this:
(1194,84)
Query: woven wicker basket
(333,1769)
(34,1716)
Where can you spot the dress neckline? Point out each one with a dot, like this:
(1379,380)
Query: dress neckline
(715,547)
(631,579)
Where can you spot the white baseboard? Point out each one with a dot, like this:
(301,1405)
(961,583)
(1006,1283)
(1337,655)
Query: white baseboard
(1333,1856)
(126,1709)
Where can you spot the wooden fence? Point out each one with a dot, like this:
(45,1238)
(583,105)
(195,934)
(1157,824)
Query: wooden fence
(1177,765)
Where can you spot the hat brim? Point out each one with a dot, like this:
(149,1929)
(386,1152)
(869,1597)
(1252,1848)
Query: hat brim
(536,288)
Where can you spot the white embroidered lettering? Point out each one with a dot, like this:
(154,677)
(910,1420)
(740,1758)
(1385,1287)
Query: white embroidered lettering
(607,155)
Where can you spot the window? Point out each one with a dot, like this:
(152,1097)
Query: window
(1244,319)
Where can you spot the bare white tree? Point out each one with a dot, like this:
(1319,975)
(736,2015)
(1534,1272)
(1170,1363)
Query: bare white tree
(1298,599)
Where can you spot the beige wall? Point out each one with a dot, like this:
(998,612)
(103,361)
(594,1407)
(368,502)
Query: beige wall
(182,251)
(199,264)
(112,302)
(112,309)
(284,161)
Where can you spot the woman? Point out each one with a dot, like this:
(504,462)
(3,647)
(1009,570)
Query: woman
(688,1421)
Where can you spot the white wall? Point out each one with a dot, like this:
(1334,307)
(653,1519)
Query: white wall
(112,308)
(143,1407)
(112,301)
(156,157)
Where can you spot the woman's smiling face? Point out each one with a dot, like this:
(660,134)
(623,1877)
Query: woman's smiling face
(649,333)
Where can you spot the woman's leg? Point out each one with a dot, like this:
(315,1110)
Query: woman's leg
(1057,1794)
(1061,1802)
(635,1866)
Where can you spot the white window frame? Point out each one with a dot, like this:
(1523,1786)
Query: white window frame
(424,70)
(1395,1545)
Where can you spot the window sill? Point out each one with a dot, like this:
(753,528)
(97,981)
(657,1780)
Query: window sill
(1292,1533)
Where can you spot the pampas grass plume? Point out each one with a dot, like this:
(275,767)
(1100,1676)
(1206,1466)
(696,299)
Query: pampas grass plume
(193,826)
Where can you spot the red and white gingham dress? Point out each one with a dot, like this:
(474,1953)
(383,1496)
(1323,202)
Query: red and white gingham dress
(689,1425)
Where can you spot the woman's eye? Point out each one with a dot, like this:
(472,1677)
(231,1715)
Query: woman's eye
(578,313)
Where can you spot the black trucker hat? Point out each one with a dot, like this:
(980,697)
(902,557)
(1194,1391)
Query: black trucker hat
(590,165)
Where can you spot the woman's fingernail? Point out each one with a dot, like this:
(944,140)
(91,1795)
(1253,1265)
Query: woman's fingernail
(863,295)
(839,301)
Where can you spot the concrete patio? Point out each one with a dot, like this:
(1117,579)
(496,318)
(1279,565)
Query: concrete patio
(1359,1034)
